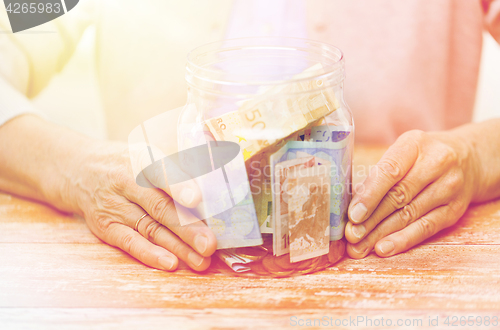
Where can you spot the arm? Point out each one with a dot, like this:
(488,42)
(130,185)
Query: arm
(423,184)
(94,179)
(43,161)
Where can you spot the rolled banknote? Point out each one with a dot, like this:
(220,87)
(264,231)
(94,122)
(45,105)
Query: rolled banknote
(237,263)
(239,259)
(308,189)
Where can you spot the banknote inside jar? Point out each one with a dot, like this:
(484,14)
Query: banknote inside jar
(308,152)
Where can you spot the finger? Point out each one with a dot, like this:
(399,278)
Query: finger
(429,169)
(417,231)
(162,208)
(443,191)
(398,197)
(393,166)
(425,202)
(160,235)
(133,243)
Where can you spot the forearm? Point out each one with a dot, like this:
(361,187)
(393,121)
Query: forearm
(484,139)
(37,159)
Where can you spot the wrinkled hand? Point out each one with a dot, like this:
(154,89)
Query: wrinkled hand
(423,184)
(105,191)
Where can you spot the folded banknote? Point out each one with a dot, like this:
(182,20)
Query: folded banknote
(335,152)
(281,195)
(308,211)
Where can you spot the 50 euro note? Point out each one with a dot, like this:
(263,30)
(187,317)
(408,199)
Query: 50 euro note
(275,113)
(263,124)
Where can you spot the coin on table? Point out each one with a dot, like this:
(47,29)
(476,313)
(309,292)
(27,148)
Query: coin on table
(269,264)
(322,263)
(337,250)
(258,269)
(284,262)
(311,267)
(304,264)
(252,253)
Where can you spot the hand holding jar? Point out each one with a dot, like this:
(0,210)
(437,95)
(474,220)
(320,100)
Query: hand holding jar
(423,184)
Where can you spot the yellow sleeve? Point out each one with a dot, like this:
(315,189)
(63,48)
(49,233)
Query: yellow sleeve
(29,59)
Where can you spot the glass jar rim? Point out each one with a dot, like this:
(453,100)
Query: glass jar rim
(197,70)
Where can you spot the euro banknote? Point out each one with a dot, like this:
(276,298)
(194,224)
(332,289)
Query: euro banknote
(338,155)
(308,191)
(274,114)
(281,195)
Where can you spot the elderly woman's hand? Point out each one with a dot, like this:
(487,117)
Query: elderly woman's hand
(104,191)
(94,179)
(423,184)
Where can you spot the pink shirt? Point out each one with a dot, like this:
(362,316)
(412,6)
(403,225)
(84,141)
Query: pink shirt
(410,64)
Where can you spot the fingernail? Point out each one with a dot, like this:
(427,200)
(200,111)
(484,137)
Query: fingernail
(358,231)
(386,247)
(358,212)
(200,243)
(187,196)
(359,248)
(166,262)
(195,259)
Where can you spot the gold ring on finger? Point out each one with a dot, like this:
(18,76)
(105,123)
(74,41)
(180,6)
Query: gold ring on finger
(136,227)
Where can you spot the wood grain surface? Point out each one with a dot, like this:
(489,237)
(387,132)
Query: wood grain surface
(55,274)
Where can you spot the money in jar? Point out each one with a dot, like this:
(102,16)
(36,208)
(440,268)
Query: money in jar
(268,137)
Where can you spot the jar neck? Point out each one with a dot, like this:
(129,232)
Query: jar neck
(248,67)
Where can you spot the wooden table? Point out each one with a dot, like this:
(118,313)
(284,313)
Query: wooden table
(55,273)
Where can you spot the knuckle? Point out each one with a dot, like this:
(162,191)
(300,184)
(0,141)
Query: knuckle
(399,195)
(457,208)
(128,243)
(456,181)
(108,210)
(101,222)
(390,169)
(407,215)
(161,208)
(445,156)
(152,230)
(427,227)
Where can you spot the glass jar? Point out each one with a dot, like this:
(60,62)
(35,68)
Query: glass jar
(269,114)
